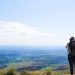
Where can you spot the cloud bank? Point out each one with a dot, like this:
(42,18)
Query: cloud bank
(14,33)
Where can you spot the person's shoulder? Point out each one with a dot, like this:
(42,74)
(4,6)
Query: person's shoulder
(68,43)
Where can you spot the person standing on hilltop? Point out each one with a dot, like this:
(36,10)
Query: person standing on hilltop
(71,54)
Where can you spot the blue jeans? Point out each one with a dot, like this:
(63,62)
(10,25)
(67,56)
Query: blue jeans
(71,60)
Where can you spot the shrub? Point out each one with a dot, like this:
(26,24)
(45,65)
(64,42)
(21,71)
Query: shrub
(25,73)
(49,72)
(11,72)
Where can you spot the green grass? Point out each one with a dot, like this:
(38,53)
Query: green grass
(47,71)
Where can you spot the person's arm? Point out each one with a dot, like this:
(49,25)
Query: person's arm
(68,49)
(67,46)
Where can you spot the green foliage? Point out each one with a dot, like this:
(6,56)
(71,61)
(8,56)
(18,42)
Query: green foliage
(48,72)
(25,73)
(11,72)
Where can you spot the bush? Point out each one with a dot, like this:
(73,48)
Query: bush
(49,72)
(11,72)
(25,73)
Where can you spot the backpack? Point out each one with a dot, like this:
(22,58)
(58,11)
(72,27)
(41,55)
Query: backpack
(72,47)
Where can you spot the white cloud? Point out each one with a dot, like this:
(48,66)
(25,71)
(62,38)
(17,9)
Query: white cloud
(14,33)
(18,28)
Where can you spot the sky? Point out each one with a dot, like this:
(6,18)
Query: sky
(36,22)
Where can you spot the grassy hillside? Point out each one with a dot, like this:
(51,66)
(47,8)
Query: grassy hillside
(48,71)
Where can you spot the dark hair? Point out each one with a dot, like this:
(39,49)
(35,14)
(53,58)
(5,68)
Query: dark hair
(72,38)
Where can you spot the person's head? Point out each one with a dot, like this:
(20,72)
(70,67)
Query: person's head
(72,38)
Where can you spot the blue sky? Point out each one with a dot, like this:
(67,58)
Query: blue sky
(45,22)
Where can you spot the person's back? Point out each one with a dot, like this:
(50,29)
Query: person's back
(72,47)
(71,54)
